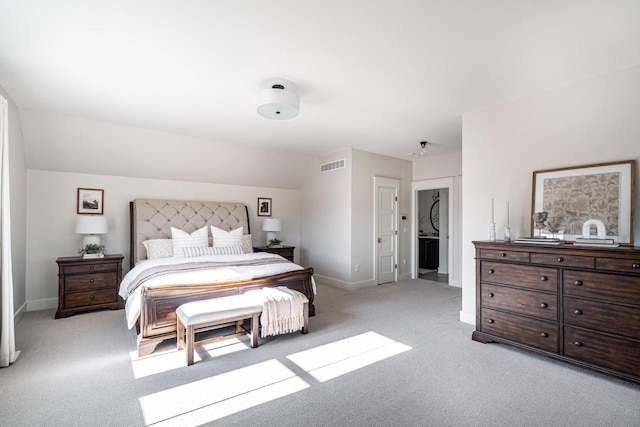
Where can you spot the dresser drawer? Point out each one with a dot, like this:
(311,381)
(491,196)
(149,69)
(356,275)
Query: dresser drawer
(611,352)
(89,298)
(90,268)
(520,301)
(81,282)
(619,265)
(504,255)
(564,260)
(610,287)
(536,333)
(520,275)
(602,316)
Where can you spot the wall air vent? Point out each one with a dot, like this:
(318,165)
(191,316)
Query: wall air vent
(328,167)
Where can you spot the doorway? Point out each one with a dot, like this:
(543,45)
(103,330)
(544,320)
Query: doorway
(433,230)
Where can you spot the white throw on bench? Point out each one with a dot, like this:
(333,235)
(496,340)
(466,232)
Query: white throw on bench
(282,311)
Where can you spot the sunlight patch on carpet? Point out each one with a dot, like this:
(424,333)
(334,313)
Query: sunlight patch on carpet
(168,360)
(333,360)
(216,397)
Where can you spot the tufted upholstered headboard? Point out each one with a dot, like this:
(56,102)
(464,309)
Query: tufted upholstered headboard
(153,219)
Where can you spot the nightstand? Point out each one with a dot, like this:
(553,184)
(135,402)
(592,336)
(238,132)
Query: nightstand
(284,251)
(88,284)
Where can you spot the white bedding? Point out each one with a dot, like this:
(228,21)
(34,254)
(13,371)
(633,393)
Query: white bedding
(133,299)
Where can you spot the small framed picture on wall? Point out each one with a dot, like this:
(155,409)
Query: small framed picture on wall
(264,206)
(90,201)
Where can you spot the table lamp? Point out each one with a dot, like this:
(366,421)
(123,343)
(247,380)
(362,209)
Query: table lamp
(91,226)
(271,225)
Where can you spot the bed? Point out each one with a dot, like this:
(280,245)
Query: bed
(151,300)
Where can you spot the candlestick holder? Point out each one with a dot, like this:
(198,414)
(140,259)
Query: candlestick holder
(507,234)
(492,232)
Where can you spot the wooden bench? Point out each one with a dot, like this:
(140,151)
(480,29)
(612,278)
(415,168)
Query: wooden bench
(216,312)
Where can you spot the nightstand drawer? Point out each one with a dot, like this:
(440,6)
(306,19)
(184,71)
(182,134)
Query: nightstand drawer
(89,298)
(81,282)
(90,268)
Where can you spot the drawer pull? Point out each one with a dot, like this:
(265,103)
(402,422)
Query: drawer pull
(490,321)
(578,283)
(91,268)
(491,294)
(544,335)
(91,280)
(91,297)
(491,271)
(503,255)
(544,305)
(560,259)
(544,278)
(578,344)
(636,266)
(577,311)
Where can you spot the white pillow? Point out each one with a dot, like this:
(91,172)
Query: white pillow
(190,252)
(182,239)
(247,244)
(226,238)
(158,248)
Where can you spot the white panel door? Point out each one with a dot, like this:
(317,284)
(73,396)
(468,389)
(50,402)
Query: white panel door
(387,234)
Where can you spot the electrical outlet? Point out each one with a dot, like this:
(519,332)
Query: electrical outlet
(357,267)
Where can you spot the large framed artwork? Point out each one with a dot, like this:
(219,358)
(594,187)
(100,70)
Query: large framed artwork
(574,195)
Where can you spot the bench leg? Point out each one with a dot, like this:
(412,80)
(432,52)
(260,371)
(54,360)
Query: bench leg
(305,311)
(180,334)
(190,344)
(254,330)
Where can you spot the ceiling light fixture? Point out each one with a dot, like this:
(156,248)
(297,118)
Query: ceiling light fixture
(423,148)
(279,102)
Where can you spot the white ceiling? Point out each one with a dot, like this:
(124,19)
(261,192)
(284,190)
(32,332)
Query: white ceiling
(377,75)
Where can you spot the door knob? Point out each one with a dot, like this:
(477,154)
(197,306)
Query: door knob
(379,239)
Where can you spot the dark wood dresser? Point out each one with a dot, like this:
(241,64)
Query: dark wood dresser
(88,284)
(283,251)
(576,304)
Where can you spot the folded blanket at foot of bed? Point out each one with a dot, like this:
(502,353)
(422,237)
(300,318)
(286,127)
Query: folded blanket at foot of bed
(282,312)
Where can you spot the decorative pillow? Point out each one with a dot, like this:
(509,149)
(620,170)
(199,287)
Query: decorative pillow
(182,239)
(190,252)
(247,244)
(158,248)
(226,238)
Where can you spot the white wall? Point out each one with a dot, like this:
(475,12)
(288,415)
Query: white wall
(71,144)
(51,215)
(338,212)
(588,122)
(18,200)
(366,166)
(326,216)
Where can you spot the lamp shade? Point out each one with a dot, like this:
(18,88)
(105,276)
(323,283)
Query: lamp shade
(91,224)
(271,224)
(278,103)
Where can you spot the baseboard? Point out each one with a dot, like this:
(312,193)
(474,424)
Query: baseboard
(19,314)
(349,286)
(405,276)
(42,304)
(469,318)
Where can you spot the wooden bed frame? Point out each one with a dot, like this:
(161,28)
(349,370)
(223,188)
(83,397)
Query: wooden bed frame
(157,320)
